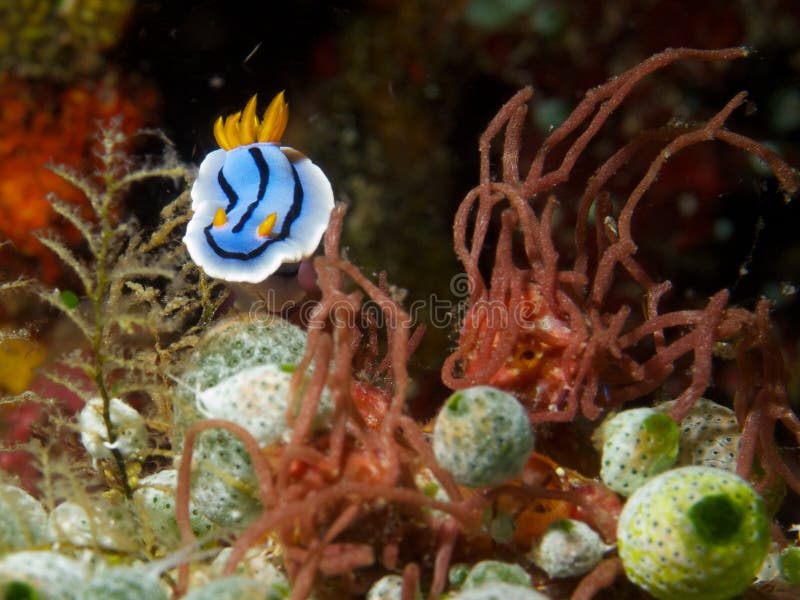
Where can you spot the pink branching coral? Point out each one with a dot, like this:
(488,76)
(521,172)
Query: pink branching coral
(547,331)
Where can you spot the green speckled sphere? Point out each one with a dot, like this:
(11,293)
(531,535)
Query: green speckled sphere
(482,436)
(236,343)
(694,533)
(637,444)
(224,484)
(229,347)
(154,499)
(709,435)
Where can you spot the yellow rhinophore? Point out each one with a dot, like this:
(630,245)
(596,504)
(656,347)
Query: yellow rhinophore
(220,218)
(265,229)
(243,127)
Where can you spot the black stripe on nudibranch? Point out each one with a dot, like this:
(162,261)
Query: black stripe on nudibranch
(263,170)
(297,205)
(229,191)
(291,216)
(263,180)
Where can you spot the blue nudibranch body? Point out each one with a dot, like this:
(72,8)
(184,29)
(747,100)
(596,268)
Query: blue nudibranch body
(256,204)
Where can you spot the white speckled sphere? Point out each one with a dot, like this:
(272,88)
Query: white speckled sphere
(568,548)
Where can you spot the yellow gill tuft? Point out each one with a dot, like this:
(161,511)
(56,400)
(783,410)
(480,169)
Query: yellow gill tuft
(243,127)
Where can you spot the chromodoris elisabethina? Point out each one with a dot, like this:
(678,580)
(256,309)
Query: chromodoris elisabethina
(257,205)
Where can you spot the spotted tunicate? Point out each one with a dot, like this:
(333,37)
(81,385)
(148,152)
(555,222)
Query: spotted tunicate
(693,533)
(482,436)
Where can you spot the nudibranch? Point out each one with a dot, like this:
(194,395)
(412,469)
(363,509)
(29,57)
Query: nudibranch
(257,205)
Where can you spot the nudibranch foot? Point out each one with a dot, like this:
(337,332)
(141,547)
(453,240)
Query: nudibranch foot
(257,205)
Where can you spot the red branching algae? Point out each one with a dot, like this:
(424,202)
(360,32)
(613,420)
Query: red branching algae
(313,493)
(565,345)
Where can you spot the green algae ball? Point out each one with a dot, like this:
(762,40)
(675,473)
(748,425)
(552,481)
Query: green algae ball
(637,444)
(482,436)
(693,533)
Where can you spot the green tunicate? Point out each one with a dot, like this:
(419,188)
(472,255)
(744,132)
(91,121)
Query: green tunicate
(258,399)
(154,500)
(224,484)
(237,343)
(638,443)
(708,435)
(693,533)
(482,436)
